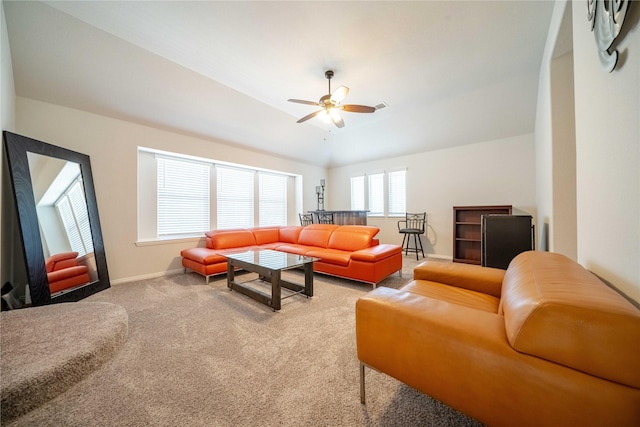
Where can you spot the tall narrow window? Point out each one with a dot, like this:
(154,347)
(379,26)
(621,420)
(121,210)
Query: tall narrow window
(357,193)
(183,197)
(376,194)
(72,209)
(235,197)
(397,193)
(273,199)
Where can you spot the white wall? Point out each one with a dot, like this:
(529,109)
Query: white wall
(608,155)
(555,139)
(490,173)
(112,146)
(563,231)
(7,122)
(7,104)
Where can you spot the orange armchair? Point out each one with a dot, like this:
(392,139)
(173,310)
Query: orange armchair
(64,271)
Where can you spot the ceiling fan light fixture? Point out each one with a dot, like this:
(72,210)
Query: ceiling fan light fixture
(324,116)
(332,102)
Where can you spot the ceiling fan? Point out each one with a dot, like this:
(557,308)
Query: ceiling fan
(331,104)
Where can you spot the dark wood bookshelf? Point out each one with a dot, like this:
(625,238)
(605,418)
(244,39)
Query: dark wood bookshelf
(467,231)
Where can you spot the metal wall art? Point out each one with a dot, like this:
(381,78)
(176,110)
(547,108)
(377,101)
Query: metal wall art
(607,17)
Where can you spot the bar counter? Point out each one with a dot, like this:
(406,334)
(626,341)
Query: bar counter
(344,217)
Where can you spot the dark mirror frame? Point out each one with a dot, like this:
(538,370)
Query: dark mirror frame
(17,147)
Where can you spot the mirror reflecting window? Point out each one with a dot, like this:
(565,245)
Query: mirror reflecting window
(63,219)
(58,220)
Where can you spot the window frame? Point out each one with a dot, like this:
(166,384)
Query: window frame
(385,188)
(147,197)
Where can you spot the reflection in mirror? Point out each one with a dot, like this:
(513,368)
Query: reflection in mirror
(58,220)
(63,220)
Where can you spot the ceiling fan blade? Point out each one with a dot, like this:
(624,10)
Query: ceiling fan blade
(352,108)
(309,116)
(339,94)
(336,119)
(300,101)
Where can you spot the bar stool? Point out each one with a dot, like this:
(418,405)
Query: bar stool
(306,219)
(325,217)
(412,225)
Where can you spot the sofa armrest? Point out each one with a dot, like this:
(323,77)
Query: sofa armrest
(376,253)
(461,356)
(487,280)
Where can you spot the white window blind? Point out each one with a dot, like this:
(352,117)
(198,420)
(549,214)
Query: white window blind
(273,199)
(357,193)
(376,194)
(235,190)
(183,197)
(72,208)
(397,193)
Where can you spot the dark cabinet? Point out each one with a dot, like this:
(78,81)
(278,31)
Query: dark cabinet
(504,237)
(467,231)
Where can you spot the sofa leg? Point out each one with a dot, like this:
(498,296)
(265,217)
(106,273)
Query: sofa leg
(362,392)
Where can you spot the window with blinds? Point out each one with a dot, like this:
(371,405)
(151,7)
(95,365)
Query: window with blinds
(183,197)
(397,193)
(376,194)
(235,201)
(393,203)
(272,199)
(72,208)
(357,193)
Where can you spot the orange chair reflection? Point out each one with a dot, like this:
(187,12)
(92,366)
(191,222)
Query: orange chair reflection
(64,272)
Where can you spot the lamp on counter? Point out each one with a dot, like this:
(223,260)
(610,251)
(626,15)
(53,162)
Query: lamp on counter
(320,193)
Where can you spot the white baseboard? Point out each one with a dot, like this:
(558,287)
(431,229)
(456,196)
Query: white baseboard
(148,276)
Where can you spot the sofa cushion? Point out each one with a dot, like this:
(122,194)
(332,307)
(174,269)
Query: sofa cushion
(225,239)
(266,235)
(61,260)
(455,295)
(289,234)
(557,310)
(331,256)
(352,237)
(316,235)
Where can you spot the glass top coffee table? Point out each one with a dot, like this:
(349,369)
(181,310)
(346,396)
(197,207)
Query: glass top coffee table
(269,266)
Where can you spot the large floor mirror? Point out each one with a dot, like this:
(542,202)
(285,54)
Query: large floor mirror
(58,220)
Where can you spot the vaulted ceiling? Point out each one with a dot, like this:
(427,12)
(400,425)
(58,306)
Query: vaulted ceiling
(451,72)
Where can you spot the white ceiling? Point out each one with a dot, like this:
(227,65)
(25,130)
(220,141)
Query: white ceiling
(452,72)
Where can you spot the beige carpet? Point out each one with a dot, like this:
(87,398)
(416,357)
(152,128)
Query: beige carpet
(202,355)
(47,350)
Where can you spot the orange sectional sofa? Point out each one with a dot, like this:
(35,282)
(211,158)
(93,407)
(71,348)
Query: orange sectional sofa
(348,251)
(543,343)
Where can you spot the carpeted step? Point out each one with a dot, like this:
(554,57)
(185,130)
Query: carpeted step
(46,350)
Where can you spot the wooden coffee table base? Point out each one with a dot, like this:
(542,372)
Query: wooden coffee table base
(268,275)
